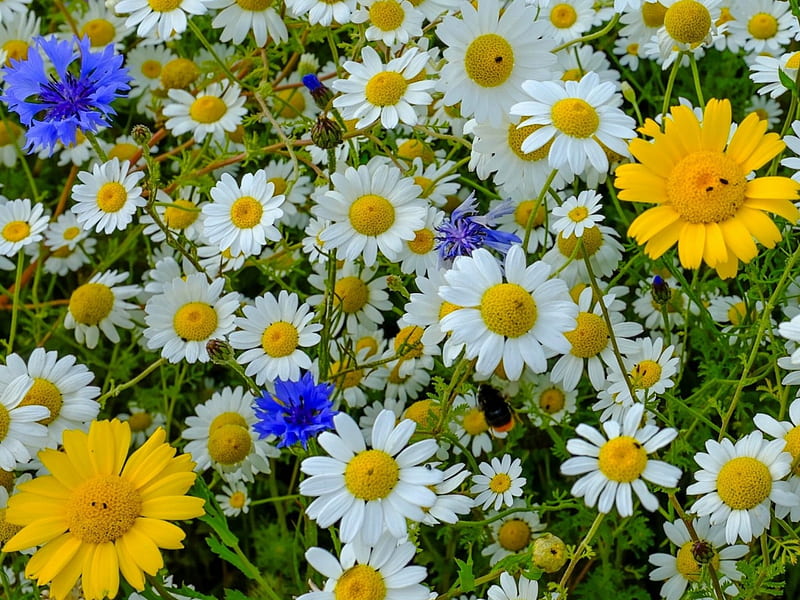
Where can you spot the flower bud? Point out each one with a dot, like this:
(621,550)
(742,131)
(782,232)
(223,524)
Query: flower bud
(321,94)
(326,133)
(661,291)
(549,553)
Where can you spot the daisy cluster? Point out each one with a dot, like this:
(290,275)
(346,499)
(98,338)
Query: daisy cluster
(436,298)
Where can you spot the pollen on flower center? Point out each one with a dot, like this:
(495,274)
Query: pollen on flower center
(14,231)
(123,151)
(16,50)
(762,26)
(103,509)
(238,499)
(578,214)
(360,582)
(229,444)
(280,339)
(195,321)
(207,109)
(151,69)
(687,21)
(423,241)
(408,341)
(686,564)
(180,214)
(622,459)
(523,212)
(744,483)
(164,5)
(351,294)
(246,212)
(575,117)
(517,135)
(514,535)
(371,475)
(500,483)
(386,15)
(489,60)
(91,303)
(589,337)
(425,184)
(44,393)
(111,197)
(371,215)
(5,422)
(645,374)
(572,75)
(653,14)
(385,88)
(140,421)
(552,400)
(474,422)
(508,310)
(563,16)
(706,187)
(254,5)
(99,31)
(591,241)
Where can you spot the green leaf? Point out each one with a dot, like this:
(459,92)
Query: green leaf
(787,81)
(466,578)
(231,557)
(234,595)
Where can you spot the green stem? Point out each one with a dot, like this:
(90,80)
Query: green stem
(327,317)
(668,93)
(203,40)
(15,300)
(592,36)
(113,392)
(580,550)
(696,78)
(535,208)
(101,154)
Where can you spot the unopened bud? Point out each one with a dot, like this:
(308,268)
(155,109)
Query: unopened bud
(325,133)
(628,92)
(702,551)
(661,291)
(141,134)
(321,94)
(549,553)
(219,351)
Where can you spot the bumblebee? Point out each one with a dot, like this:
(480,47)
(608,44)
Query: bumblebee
(495,409)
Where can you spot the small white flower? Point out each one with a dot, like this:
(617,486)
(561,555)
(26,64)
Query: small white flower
(108,197)
(499,482)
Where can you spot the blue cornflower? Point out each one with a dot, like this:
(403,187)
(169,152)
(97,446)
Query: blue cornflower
(463,232)
(54,106)
(299,410)
(319,92)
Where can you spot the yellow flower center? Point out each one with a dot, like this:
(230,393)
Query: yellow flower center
(164,5)
(589,337)
(151,69)
(706,187)
(575,117)
(91,303)
(371,475)
(99,31)
(229,444)
(179,73)
(7,479)
(371,215)
(424,413)
(246,212)
(367,344)
(517,135)
(70,233)
(254,5)
(16,231)
(5,422)
(360,582)
(500,483)
(514,535)
(632,49)
(394,375)
(645,374)
(44,393)
(7,530)
(578,214)
(794,61)
(622,459)
(207,109)
(762,26)
(422,243)
(291,103)
(180,214)
(687,21)
(563,16)
(122,151)
(411,149)
(103,509)
(9,132)
(508,310)
(15,49)
(523,212)
(446,308)
(736,313)
(687,566)
(552,400)
(386,15)
(653,14)
(489,60)
(280,185)
(237,500)
(227,418)
(762,114)
(793,443)
(408,342)
(351,294)
(349,377)
(425,184)
(591,241)
(140,421)
(385,88)
(195,321)
(572,75)
(474,422)
(744,483)
(280,339)
(111,197)
(725,16)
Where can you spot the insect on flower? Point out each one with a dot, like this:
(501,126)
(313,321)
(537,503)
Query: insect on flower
(495,409)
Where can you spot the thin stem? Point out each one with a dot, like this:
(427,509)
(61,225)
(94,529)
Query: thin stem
(592,36)
(15,301)
(113,392)
(98,149)
(580,550)
(696,79)
(199,35)
(668,93)
(535,208)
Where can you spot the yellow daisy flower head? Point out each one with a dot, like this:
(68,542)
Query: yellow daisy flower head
(697,174)
(102,512)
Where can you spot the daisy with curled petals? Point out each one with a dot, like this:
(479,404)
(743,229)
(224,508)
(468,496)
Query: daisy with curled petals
(237,18)
(582,118)
(370,490)
(273,333)
(21,224)
(387,92)
(377,571)
(162,17)
(216,110)
(186,315)
(739,483)
(107,198)
(101,512)
(516,315)
(650,368)
(371,208)
(699,180)
(498,483)
(614,464)
(512,589)
(22,435)
(490,51)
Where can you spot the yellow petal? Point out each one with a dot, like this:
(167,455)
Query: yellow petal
(76,448)
(51,558)
(651,222)
(691,245)
(784,208)
(45,486)
(141,549)
(640,184)
(30,509)
(128,567)
(739,240)
(716,125)
(109,442)
(176,484)
(728,269)
(62,584)
(665,240)
(142,468)
(62,468)
(101,578)
(652,158)
(684,128)
(746,140)
(164,534)
(771,145)
(37,533)
(173,507)
(760,225)
(715,251)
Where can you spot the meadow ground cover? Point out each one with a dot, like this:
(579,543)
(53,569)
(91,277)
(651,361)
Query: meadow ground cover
(399,299)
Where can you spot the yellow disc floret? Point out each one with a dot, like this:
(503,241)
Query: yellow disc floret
(195,321)
(500,483)
(687,21)
(653,14)
(523,212)
(99,31)
(423,241)
(408,341)
(423,412)
(706,187)
(737,312)
(360,582)
(15,231)
(15,50)
(246,212)
(387,15)
(164,5)
(371,215)
(254,5)
(207,109)
(91,303)
(351,294)
(140,421)
(563,16)
(575,117)
(645,374)
(180,214)
(229,444)
(151,69)
(744,483)
(489,60)
(111,197)
(514,535)
(591,241)
(280,339)
(589,337)
(103,509)
(508,309)
(5,422)
(552,400)
(385,88)
(178,73)
(371,475)
(517,135)
(762,26)
(622,459)
(474,422)
(44,393)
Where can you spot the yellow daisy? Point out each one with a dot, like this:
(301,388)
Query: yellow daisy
(101,512)
(699,180)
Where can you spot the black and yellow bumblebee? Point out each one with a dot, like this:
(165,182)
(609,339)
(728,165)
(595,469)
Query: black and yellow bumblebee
(496,411)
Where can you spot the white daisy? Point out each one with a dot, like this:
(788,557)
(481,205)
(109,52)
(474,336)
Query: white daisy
(786,430)
(369,490)
(241,218)
(582,118)
(296,188)
(234,499)
(22,435)
(99,305)
(392,22)
(99,23)
(21,224)
(216,109)
(405,378)
(566,21)
(549,402)
(186,315)
(419,256)
(525,206)
(650,368)
(182,216)
(512,534)
(12,140)
(490,51)
(145,64)
(371,208)
(614,465)
(371,412)
(577,213)
(237,19)
(763,26)
(69,245)
(16,37)
(347,376)
(689,25)
(574,62)
(740,482)
(11,9)
(567,258)
(142,423)
(448,505)
(387,92)
(273,333)
(221,436)
(498,483)
(512,589)
(108,197)
(162,17)
(516,315)
(377,570)
(470,427)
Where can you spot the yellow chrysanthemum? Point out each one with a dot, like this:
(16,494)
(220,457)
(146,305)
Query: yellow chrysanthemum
(699,180)
(101,512)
